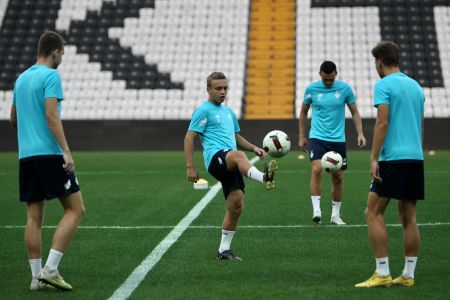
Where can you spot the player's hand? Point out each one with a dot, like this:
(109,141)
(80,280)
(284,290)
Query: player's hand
(361,141)
(259,152)
(69,165)
(303,143)
(375,171)
(192,174)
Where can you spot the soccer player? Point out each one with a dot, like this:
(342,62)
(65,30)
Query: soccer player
(46,166)
(328,98)
(218,128)
(396,163)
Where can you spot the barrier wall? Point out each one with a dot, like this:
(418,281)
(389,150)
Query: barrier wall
(156,135)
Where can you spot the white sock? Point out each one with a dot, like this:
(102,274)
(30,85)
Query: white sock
(255,174)
(315,202)
(383,266)
(36,267)
(54,257)
(336,207)
(227,237)
(410,266)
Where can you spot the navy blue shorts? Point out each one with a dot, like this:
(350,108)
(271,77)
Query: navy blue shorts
(402,179)
(317,148)
(230,180)
(43,177)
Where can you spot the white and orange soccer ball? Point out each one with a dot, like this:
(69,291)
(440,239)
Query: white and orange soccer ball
(331,162)
(276,143)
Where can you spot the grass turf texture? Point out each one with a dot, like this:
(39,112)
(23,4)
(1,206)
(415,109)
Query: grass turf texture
(302,261)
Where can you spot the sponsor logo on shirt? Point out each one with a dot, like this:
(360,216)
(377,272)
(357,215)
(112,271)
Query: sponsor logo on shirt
(203,122)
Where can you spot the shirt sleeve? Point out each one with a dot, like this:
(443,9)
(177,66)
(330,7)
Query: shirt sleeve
(381,94)
(350,97)
(307,98)
(53,87)
(198,121)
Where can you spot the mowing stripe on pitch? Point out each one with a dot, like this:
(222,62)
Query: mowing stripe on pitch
(135,278)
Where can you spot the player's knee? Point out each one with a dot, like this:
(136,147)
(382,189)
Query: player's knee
(82,211)
(317,171)
(407,221)
(239,209)
(77,212)
(337,179)
(239,155)
(368,214)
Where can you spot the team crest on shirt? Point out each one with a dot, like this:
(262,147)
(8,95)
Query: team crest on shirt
(337,95)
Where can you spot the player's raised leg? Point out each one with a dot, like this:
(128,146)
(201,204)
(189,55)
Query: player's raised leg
(315,188)
(411,241)
(235,206)
(236,159)
(73,211)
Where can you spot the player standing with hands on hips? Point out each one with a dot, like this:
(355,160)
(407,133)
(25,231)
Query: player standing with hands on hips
(396,164)
(328,98)
(217,126)
(46,167)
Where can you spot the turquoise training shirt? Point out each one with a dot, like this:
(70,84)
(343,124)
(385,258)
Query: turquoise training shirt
(328,109)
(32,88)
(217,126)
(406,99)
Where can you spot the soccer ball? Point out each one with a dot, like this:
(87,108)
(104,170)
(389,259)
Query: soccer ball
(276,143)
(331,162)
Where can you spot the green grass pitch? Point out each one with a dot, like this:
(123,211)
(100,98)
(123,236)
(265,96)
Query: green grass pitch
(134,199)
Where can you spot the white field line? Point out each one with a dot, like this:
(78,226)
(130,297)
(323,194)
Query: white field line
(114,227)
(135,278)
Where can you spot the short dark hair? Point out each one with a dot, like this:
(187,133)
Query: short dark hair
(388,53)
(214,76)
(328,67)
(49,42)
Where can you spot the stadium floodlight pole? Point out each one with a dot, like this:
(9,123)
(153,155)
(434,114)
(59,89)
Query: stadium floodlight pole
(411,24)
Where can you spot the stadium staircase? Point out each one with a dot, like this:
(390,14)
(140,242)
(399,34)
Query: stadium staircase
(270,76)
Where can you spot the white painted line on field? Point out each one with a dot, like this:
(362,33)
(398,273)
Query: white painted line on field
(135,278)
(113,227)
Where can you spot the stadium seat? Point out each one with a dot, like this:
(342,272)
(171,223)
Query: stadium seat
(124,53)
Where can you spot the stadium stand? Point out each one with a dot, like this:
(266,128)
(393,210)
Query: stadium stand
(270,83)
(345,31)
(148,59)
(132,59)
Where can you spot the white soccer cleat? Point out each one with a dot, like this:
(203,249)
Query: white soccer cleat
(37,285)
(54,279)
(317,216)
(336,220)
